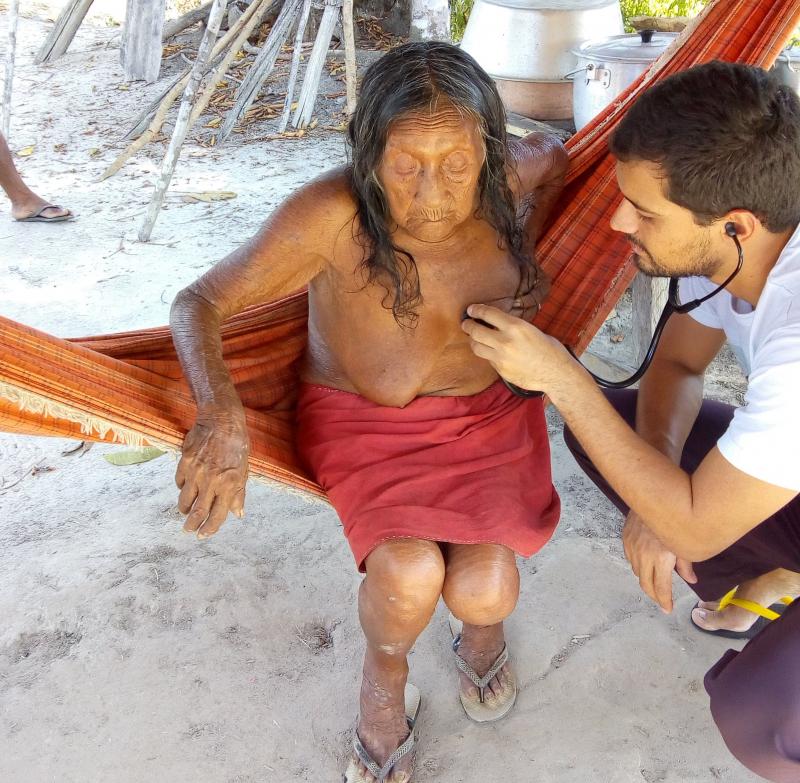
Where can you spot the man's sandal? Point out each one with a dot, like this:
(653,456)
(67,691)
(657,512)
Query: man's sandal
(39,217)
(765,615)
(377,773)
(476,707)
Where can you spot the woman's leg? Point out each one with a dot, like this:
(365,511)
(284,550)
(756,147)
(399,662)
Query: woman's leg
(481,589)
(396,600)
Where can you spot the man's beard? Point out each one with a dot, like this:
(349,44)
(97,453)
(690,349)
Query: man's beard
(695,261)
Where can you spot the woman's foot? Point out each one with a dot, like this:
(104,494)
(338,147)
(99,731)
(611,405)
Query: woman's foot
(765,590)
(482,650)
(382,725)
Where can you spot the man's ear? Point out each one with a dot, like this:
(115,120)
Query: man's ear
(745,223)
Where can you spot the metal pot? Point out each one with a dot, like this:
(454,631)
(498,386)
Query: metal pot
(787,68)
(609,66)
(524,45)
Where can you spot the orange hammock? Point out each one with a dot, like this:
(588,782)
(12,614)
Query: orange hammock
(128,388)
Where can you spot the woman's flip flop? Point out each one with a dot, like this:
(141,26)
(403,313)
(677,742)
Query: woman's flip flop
(360,754)
(476,707)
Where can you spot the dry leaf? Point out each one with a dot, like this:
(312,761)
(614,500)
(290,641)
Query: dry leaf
(94,152)
(26,151)
(313,124)
(208,196)
(214,123)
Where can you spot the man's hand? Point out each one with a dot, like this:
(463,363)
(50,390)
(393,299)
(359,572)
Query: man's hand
(211,475)
(521,353)
(652,562)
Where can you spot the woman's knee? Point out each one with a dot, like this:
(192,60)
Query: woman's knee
(405,576)
(481,585)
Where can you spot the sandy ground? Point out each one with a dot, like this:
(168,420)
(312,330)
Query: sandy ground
(130,652)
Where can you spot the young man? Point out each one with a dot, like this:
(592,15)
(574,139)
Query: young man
(439,474)
(708,163)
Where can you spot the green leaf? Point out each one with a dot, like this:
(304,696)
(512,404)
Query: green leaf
(133,457)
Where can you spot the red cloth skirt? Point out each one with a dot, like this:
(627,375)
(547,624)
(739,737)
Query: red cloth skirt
(466,470)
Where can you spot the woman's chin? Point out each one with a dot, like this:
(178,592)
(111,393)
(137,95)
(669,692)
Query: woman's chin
(431,232)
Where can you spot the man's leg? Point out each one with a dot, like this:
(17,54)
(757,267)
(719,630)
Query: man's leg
(481,589)
(396,600)
(755,700)
(764,563)
(24,202)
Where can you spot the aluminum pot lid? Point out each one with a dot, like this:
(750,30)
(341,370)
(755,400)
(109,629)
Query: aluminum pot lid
(629,48)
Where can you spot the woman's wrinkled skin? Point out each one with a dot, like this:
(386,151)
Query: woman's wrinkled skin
(429,175)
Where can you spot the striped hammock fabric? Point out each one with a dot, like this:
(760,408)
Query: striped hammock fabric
(128,387)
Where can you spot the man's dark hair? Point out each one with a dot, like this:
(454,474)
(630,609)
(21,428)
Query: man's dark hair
(418,77)
(727,137)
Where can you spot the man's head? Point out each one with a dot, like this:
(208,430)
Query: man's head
(714,144)
(428,151)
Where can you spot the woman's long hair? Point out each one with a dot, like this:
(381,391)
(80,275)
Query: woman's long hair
(417,77)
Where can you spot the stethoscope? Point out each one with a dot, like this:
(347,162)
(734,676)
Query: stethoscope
(672,306)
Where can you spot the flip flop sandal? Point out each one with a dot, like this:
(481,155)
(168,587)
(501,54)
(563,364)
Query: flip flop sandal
(38,217)
(360,754)
(477,708)
(765,615)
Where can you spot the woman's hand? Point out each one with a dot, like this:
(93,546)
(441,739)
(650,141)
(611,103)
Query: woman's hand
(521,353)
(212,474)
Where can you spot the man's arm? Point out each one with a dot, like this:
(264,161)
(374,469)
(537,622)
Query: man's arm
(540,164)
(671,391)
(287,253)
(694,516)
(668,402)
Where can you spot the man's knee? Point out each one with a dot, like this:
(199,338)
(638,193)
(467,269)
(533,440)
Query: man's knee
(405,576)
(760,724)
(482,588)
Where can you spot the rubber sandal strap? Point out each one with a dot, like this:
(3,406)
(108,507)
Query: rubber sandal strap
(480,682)
(381,773)
(751,606)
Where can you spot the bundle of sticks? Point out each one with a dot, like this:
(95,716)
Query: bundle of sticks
(294,14)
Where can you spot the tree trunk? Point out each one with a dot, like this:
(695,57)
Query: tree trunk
(141,40)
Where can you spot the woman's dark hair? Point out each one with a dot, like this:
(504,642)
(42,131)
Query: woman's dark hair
(418,77)
(727,137)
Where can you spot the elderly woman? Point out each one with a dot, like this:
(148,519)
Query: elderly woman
(438,472)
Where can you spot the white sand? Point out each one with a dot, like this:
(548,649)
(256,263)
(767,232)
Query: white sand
(131,652)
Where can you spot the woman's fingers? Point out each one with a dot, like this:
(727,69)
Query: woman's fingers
(217,514)
(188,495)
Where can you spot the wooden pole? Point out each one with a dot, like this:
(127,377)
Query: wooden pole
(350,67)
(261,67)
(308,93)
(298,48)
(182,123)
(648,296)
(260,9)
(140,52)
(5,108)
(67,24)
(187,20)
